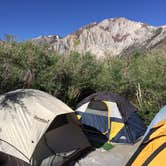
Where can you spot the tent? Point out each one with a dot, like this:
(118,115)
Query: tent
(110,116)
(152,150)
(39,129)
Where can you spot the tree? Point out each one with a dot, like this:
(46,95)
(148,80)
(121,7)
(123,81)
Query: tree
(9,37)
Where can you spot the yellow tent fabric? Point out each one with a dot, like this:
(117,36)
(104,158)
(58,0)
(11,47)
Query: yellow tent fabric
(109,112)
(115,129)
(154,148)
(78,117)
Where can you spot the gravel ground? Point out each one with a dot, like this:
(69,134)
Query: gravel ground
(117,156)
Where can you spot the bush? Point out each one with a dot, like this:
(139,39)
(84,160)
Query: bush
(69,75)
(140,78)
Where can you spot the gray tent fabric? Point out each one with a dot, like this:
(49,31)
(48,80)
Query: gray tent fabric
(8,160)
(27,117)
(58,143)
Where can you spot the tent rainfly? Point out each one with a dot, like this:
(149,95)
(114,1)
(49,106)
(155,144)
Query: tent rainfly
(38,129)
(111,116)
(152,150)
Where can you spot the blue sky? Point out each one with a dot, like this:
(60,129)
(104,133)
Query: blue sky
(31,18)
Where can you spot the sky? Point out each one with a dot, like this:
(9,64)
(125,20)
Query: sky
(26,19)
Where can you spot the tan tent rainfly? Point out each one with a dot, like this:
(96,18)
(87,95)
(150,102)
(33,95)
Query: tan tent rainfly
(32,122)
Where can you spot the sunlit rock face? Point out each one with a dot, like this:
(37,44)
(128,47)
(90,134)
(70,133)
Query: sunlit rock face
(110,37)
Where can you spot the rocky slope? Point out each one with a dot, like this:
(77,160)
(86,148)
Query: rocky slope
(46,39)
(111,37)
(1,42)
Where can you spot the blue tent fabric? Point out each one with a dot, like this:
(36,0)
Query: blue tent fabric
(100,122)
(133,128)
(123,137)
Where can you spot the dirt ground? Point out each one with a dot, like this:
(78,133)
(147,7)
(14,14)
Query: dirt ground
(117,156)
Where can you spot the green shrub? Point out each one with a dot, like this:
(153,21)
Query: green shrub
(140,78)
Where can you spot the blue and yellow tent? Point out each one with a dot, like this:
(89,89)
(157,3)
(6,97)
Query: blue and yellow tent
(112,116)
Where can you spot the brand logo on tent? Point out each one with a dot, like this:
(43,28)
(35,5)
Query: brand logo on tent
(123,137)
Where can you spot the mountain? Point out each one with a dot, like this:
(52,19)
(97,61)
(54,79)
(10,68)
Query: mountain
(46,39)
(111,37)
(1,42)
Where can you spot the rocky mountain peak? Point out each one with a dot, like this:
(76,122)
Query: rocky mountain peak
(110,37)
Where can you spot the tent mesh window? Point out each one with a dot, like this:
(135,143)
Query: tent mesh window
(95,119)
(63,120)
(97,105)
(60,121)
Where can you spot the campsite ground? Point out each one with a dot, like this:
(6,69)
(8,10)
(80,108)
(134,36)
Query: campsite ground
(117,156)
